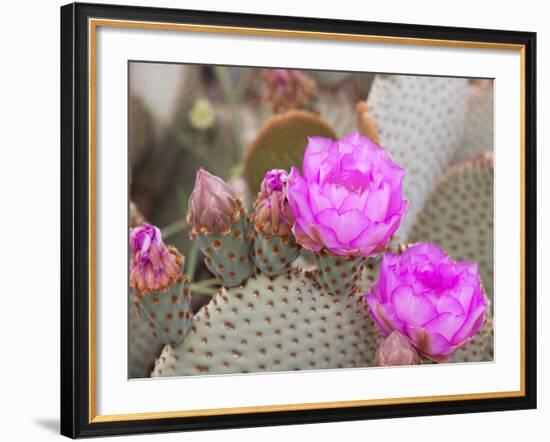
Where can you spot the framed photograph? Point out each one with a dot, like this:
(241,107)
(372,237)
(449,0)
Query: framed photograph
(280,220)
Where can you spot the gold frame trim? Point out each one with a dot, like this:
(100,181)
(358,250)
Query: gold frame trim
(93,24)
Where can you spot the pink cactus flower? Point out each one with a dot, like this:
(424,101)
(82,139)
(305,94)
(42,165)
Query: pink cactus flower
(349,200)
(272,214)
(213,205)
(396,349)
(153,266)
(274,180)
(437,303)
(288,89)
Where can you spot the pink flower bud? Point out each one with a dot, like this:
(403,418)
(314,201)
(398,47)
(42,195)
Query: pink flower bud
(272,214)
(213,205)
(154,266)
(396,349)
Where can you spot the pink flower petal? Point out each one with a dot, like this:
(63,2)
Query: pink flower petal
(319,202)
(384,315)
(472,324)
(433,345)
(388,279)
(355,138)
(446,324)
(354,201)
(333,192)
(377,204)
(435,254)
(412,309)
(463,294)
(376,235)
(304,239)
(447,304)
(396,202)
(298,197)
(316,152)
(347,225)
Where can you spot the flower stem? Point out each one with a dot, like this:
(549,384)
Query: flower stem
(192,258)
(205,287)
(206,283)
(174,228)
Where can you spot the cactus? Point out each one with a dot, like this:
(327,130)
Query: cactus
(220,227)
(226,255)
(274,248)
(280,323)
(274,255)
(281,144)
(338,275)
(270,315)
(285,323)
(420,121)
(167,314)
(458,215)
(161,296)
(478,130)
(143,347)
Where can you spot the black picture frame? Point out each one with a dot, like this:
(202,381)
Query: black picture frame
(75,219)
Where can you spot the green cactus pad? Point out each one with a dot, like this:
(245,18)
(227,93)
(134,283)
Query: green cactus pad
(281,323)
(458,215)
(143,347)
(227,255)
(479,131)
(338,275)
(420,121)
(168,314)
(274,255)
(281,143)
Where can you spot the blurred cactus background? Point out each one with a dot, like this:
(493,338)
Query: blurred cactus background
(238,123)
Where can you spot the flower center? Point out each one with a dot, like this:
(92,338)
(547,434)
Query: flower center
(438,278)
(352,181)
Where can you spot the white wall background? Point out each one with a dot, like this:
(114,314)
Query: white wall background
(29,239)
